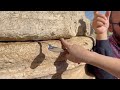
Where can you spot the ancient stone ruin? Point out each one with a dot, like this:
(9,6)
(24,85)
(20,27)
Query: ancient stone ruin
(24,50)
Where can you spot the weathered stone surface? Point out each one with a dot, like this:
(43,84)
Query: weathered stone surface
(42,25)
(33,59)
(76,73)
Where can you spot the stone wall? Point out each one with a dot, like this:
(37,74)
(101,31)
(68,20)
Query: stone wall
(42,25)
(24,50)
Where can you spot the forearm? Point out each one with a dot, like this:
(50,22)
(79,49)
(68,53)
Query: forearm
(109,64)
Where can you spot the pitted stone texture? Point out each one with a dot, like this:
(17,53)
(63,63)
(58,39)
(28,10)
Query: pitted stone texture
(33,59)
(41,25)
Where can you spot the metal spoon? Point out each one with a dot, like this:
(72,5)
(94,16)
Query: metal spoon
(54,49)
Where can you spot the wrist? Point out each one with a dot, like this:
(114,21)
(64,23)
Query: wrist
(85,57)
(102,36)
(90,58)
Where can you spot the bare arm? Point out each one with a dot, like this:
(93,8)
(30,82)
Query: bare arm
(111,65)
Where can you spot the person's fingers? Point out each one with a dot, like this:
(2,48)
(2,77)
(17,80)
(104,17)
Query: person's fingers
(99,24)
(65,43)
(107,14)
(101,20)
(102,16)
(95,13)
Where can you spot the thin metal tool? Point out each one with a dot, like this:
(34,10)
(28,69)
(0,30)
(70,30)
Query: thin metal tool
(54,49)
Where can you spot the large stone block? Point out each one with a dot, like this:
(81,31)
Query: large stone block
(42,25)
(33,59)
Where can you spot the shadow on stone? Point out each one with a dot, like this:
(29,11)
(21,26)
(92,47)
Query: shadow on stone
(81,28)
(39,59)
(61,66)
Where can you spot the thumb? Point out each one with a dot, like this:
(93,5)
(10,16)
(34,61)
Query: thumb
(95,13)
(107,14)
(65,43)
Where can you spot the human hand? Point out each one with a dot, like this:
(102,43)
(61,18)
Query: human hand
(74,53)
(101,22)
